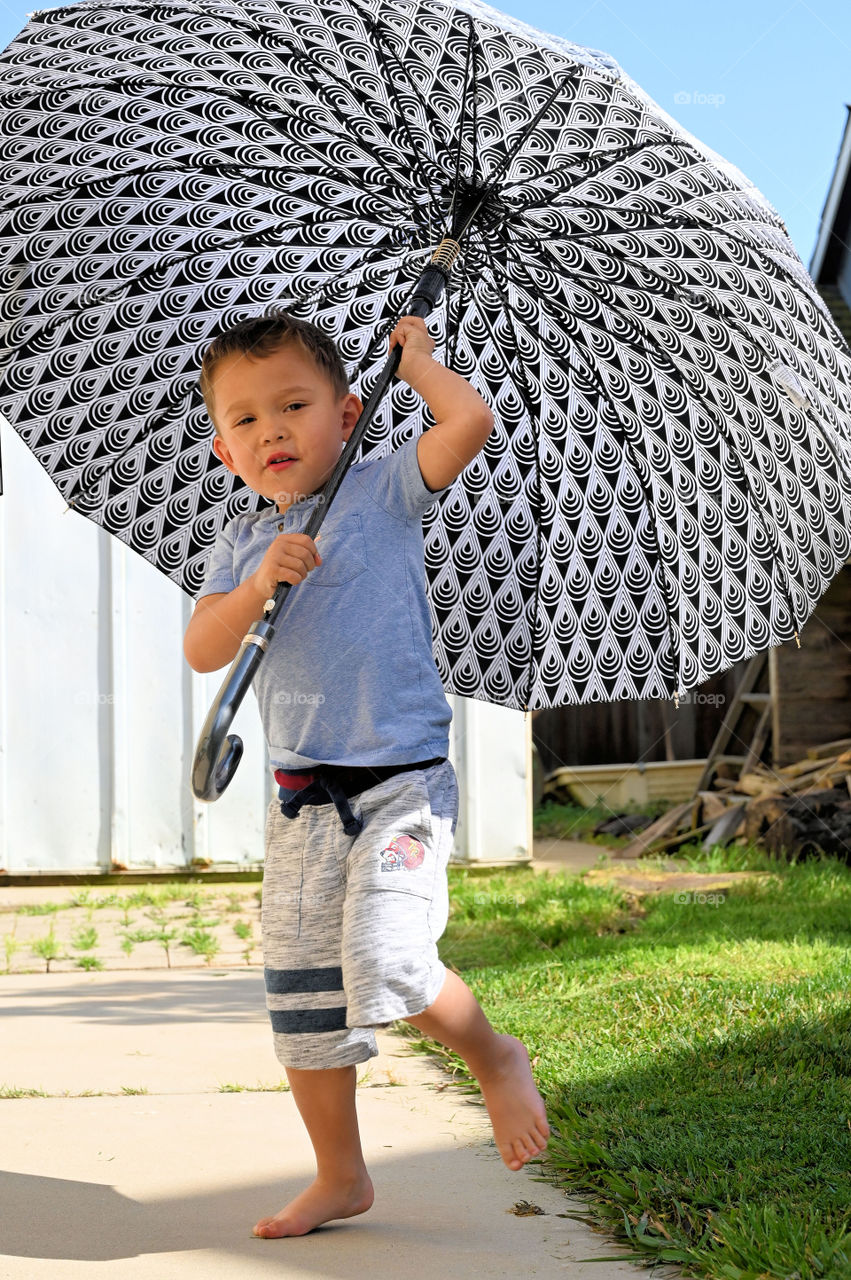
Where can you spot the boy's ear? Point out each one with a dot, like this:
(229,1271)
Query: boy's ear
(222,452)
(352,410)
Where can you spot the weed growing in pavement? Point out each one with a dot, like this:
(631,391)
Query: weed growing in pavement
(11,944)
(202,943)
(48,948)
(84,938)
(165,937)
(198,922)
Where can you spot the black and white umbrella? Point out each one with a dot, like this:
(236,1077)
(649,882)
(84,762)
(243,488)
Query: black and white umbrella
(667,487)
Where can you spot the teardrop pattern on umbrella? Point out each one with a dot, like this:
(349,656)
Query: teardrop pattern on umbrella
(666,489)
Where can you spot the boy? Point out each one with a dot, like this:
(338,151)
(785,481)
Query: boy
(356,720)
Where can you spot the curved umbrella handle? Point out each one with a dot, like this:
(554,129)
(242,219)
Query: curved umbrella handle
(218,753)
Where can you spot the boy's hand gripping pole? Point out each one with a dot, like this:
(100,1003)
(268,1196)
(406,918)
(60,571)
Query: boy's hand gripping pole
(218,753)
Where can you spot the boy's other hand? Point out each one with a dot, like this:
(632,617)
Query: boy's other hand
(417,346)
(290,558)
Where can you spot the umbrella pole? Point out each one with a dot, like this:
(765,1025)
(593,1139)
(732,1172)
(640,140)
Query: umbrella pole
(218,753)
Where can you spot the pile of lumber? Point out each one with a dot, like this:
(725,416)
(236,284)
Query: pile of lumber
(798,809)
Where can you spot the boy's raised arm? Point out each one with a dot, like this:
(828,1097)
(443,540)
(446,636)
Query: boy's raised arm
(463,420)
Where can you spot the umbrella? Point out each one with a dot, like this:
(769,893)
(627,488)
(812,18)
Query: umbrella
(666,490)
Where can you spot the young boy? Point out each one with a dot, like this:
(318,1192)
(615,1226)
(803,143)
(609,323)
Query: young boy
(356,720)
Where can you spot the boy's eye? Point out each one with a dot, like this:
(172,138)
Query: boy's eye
(297,404)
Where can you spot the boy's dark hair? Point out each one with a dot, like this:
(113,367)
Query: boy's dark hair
(261,336)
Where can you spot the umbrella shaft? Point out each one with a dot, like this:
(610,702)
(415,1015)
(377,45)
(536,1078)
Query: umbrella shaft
(427,293)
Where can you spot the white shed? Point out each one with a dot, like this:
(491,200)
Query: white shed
(100,714)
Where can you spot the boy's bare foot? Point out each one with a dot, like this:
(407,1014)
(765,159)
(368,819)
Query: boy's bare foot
(515,1107)
(319,1203)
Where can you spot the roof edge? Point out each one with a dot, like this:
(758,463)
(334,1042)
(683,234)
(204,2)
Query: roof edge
(839,187)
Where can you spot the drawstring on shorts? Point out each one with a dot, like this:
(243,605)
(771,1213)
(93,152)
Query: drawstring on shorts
(336,783)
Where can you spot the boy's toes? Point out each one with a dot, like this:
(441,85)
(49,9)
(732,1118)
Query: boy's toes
(522,1153)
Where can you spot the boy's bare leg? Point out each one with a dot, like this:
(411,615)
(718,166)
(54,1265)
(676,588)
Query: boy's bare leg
(342,1187)
(500,1063)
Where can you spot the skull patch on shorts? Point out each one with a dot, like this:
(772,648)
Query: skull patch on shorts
(402,851)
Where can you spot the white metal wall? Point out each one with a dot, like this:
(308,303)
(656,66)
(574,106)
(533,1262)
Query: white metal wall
(100,713)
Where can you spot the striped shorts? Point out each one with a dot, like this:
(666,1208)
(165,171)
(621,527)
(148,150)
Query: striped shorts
(350,923)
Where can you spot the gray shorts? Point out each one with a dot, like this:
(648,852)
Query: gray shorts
(350,923)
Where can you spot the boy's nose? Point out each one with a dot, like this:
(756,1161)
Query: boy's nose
(273,430)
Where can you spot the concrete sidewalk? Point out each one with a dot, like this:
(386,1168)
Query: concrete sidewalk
(168,1182)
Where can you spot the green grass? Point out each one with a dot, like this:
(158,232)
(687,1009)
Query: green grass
(695,1058)
(573,822)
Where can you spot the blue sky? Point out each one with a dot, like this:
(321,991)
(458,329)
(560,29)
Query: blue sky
(763,82)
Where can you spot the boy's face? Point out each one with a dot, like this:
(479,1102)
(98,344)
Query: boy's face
(280,406)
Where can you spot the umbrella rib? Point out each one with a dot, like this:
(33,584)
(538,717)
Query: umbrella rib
(463,118)
(85,187)
(615,154)
(342,83)
(482,193)
(645,337)
(380,333)
(565,315)
(474,135)
(247,100)
(595,164)
(349,274)
(373,26)
(685,294)
(464,289)
(242,97)
(529,403)
(676,222)
(295,54)
(329,170)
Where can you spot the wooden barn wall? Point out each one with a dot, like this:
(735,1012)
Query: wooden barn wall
(812,685)
(629,731)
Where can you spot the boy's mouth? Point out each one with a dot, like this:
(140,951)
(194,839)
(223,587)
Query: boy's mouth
(278,461)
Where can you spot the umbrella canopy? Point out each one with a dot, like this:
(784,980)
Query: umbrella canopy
(667,486)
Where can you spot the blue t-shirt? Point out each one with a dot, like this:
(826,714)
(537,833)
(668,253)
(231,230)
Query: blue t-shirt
(349,677)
